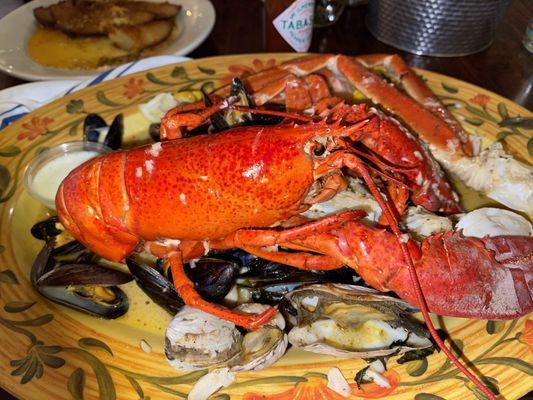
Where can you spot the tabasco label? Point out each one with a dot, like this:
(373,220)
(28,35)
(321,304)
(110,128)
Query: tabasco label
(295,24)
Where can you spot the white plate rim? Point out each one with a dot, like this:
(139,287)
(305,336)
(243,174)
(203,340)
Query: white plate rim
(205,11)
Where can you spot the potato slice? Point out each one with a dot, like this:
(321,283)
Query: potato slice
(136,38)
(159,10)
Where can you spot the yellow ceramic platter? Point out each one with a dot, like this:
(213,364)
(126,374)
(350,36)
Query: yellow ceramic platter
(50,352)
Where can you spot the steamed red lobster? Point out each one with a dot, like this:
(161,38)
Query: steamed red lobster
(246,188)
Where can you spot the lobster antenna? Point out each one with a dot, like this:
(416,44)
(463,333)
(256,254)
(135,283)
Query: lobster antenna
(251,110)
(416,282)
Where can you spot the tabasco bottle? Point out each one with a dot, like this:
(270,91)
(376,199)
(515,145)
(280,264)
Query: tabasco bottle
(289,25)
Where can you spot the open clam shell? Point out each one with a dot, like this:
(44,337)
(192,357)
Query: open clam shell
(263,347)
(354,321)
(196,340)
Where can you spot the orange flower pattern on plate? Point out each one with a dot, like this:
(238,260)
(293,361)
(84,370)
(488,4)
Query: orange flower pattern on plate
(133,88)
(480,99)
(317,389)
(527,334)
(36,127)
(242,71)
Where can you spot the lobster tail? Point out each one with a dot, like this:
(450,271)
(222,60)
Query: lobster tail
(79,210)
(488,278)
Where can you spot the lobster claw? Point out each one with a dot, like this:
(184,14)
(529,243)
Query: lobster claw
(489,278)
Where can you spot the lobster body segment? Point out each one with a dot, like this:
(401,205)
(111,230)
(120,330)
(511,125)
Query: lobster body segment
(198,189)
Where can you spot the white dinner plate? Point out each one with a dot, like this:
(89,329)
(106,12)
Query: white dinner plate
(17,101)
(196,19)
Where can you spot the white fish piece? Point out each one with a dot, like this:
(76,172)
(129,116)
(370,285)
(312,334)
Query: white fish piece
(493,222)
(422,223)
(495,173)
(338,383)
(374,371)
(211,383)
(155,109)
(377,378)
(354,197)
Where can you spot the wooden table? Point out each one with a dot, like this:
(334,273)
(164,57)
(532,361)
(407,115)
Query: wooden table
(505,68)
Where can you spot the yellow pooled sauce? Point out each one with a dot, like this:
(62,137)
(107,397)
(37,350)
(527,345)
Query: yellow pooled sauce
(53,48)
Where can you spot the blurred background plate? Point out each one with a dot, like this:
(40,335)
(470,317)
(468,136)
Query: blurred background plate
(195,22)
(17,101)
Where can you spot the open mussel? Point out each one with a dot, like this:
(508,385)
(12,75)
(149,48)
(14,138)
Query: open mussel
(67,273)
(353,321)
(196,340)
(155,284)
(213,279)
(267,282)
(95,129)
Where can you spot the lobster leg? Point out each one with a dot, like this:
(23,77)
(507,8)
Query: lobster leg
(300,93)
(299,260)
(179,120)
(431,124)
(430,127)
(185,288)
(270,237)
(401,74)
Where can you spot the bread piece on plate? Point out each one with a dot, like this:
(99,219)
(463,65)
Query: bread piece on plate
(44,16)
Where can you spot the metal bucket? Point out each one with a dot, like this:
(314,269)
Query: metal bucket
(444,28)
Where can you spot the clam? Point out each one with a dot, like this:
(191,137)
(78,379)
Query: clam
(353,321)
(67,273)
(263,347)
(196,340)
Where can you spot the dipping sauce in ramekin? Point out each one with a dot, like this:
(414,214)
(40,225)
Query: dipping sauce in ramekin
(46,171)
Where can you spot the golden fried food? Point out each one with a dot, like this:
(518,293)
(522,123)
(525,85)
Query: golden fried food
(96,17)
(91,33)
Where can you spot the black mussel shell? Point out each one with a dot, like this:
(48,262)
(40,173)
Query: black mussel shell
(78,286)
(83,275)
(268,282)
(72,250)
(154,131)
(81,299)
(47,229)
(238,89)
(114,136)
(43,263)
(213,277)
(156,286)
(93,125)
(217,120)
